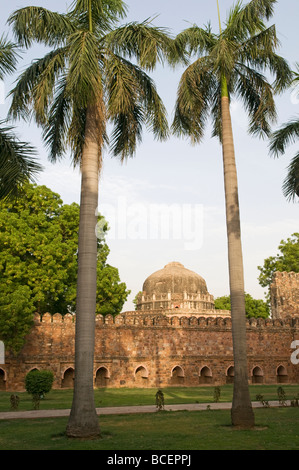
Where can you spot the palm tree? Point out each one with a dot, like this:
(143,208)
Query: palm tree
(17,163)
(285,135)
(84,83)
(231,63)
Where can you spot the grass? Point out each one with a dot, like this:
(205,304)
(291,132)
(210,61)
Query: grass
(276,428)
(62,399)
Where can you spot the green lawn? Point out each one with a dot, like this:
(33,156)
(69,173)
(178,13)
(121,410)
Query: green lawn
(62,399)
(276,429)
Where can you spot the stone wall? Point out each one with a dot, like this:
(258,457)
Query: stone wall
(284,291)
(156,351)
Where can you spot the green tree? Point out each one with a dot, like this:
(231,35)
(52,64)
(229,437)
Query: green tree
(16,315)
(111,293)
(39,241)
(85,82)
(136,298)
(17,159)
(253,307)
(287,259)
(286,135)
(232,63)
(38,263)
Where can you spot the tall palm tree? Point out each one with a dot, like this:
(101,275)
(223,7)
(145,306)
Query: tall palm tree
(229,63)
(17,159)
(285,135)
(84,83)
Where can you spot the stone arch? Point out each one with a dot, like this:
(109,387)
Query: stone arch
(257,375)
(230,373)
(281,374)
(177,375)
(102,377)
(2,380)
(205,375)
(68,378)
(32,370)
(141,375)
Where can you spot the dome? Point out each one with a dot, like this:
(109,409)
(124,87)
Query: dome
(174,278)
(175,287)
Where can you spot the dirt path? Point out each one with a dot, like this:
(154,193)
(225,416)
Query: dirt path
(127,410)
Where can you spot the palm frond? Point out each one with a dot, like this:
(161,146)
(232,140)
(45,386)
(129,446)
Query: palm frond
(56,130)
(296,74)
(83,79)
(132,101)
(38,24)
(216,113)
(256,94)
(120,83)
(259,47)
(104,14)
(87,73)
(76,134)
(17,163)
(286,135)
(143,41)
(196,89)
(77,130)
(43,92)
(259,52)
(223,57)
(244,21)
(283,76)
(127,132)
(291,183)
(8,57)
(196,40)
(34,88)
(259,9)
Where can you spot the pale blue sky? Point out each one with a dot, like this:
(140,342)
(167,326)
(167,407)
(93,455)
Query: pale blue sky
(176,173)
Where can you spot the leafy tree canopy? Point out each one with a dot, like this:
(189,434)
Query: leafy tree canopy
(287,259)
(38,263)
(253,307)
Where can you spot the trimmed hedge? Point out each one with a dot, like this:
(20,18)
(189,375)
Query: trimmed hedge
(39,382)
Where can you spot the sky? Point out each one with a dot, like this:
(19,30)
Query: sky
(167,203)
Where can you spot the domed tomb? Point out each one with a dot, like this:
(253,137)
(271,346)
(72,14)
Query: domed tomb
(175,288)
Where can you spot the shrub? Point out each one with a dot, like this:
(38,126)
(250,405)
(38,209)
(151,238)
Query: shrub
(260,398)
(14,402)
(295,401)
(160,400)
(281,396)
(217,393)
(38,383)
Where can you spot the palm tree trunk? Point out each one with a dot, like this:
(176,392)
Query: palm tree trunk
(242,413)
(83,421)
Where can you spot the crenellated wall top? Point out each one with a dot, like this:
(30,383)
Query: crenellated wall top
(285,275)
(129,319)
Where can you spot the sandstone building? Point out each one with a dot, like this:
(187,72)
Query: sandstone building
(175,337)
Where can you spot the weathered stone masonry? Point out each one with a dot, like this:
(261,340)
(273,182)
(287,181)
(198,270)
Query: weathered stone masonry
(285,294)
(163,348)
(156,351)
